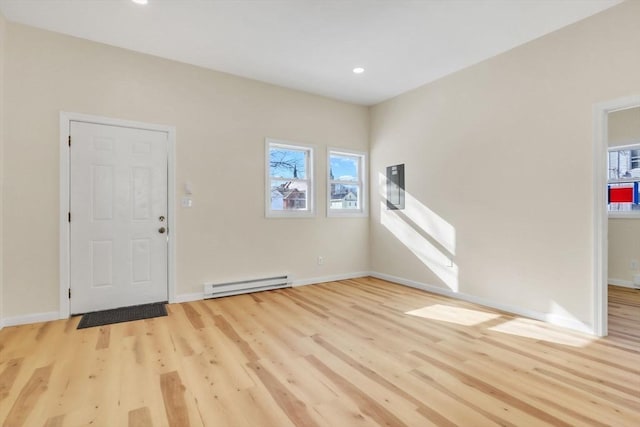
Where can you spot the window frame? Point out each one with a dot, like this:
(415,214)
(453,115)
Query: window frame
(362,211)
(310,180)
(622,214)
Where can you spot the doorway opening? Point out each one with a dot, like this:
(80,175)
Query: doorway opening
(601,114)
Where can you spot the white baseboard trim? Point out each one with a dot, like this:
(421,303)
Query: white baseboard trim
(324,279)
(623,283)
(196,296)
(31,318)
(551,318)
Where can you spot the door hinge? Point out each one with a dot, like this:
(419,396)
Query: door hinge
(69,140)
(69,216)
(69,293)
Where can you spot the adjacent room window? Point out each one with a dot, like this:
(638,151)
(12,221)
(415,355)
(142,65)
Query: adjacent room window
(346,183)
(623,196)
(289,179)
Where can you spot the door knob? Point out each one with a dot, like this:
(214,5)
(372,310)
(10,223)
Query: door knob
(162,230)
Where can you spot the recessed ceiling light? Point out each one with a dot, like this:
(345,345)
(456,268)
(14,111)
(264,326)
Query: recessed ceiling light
(358,70)
(140,1)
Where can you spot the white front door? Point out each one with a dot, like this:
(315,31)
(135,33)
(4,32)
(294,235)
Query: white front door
(118,216)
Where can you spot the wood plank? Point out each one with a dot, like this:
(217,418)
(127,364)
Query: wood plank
(28,397)
(174,403)
(365,403)
(429,413)
(140,417)
(8,376)
(232,334)
(55,421)
(193,316)
(293,407)
(104,335)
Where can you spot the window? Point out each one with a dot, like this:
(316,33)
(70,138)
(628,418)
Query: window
(624,180)
(346,183)
(289,180)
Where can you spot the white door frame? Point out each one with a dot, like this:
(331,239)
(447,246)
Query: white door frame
(600,218)
(65,244)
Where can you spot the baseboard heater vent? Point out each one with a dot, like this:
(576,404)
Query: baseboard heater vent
(216,290)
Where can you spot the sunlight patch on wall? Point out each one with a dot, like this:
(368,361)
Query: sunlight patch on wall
(426,219)
(432,257)
(452,314)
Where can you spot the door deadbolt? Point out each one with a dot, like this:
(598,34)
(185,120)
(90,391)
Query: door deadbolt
(162,230)
(161,218)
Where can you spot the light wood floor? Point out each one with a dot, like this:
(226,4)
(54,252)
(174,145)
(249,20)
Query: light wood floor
(352,353)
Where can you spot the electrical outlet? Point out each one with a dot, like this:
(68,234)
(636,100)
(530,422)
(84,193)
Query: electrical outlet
(634,265)
(320,260)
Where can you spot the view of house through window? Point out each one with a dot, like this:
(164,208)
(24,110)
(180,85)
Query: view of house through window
(346,182)
(624,179)
(290,185)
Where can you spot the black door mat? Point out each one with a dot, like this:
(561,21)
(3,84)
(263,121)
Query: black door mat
(124,314)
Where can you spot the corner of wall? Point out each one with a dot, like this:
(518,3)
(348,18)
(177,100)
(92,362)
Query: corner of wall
(2,58)
(372,187)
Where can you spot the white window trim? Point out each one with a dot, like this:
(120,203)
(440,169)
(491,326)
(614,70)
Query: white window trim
(309,213)
(364,188)
(622,214)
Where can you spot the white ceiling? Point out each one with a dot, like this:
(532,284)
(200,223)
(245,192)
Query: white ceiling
(312,45)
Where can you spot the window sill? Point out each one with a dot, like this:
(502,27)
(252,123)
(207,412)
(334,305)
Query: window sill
(285,215)
(620,215)
(347,214)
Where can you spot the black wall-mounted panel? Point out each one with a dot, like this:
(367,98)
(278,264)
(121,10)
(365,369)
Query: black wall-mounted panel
(395,187)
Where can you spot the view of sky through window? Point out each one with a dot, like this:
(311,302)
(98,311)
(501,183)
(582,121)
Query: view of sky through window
(344,168)
(287,163)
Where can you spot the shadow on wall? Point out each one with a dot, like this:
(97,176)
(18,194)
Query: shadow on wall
(427,235)
(433,241)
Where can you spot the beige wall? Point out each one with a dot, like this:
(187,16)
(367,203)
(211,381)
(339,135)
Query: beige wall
(2,44)
(624,233)
(624,127)
(624,247)
(502,153)
(221,123)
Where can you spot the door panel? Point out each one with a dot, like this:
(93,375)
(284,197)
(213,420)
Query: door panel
(102,192)
(118,195)
(141,260)
(101,263)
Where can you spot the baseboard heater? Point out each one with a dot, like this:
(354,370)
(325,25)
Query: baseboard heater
(216,290)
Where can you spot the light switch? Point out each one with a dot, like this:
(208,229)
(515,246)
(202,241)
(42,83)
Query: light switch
(187,202)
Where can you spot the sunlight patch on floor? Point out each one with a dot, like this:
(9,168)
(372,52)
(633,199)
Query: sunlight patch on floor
(537,330)
(451,314)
